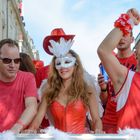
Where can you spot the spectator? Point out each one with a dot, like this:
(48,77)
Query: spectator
(127,58)
(18,104)
(26,63)
(125,81)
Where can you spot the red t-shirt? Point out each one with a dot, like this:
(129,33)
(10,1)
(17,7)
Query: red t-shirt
(12,98)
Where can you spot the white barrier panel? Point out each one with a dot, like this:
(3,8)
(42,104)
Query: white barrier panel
(75,137)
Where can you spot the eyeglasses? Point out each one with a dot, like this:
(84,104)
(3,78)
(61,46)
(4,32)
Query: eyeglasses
(8,60)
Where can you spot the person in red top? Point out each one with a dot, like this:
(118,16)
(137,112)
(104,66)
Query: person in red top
(18,93)
(127,58)
(41,74)
(68,97)
(125,81)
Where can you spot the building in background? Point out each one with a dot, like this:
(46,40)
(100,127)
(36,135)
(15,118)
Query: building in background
(12,26)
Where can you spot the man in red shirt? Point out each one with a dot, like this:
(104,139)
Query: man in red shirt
(127,58)
(18,104)
(125,81)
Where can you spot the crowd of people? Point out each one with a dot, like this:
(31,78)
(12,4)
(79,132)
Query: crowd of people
(63,94)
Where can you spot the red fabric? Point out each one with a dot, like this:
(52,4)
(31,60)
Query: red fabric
(12,97)
(41,74)
(110,115)
(71,118)
(56,34)
(38,64)
(129,62)
(111,129)
(123,24)
(129,115)
(45,123)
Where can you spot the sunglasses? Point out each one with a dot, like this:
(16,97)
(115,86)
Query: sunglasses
(8,60)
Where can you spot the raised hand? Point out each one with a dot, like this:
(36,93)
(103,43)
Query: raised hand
(101,81)
(134,15)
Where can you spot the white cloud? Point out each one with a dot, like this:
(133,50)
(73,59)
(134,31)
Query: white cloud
(77,6)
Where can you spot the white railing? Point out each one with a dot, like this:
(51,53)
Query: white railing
(75,137)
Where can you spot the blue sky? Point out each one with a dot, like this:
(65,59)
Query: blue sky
(89,20)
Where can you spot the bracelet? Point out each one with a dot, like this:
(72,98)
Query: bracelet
(21,123)
(103,90)
(124,23)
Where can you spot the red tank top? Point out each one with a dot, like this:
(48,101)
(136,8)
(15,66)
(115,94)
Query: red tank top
(128,104)
(110,117)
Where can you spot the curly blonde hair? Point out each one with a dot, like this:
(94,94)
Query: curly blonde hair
(78,87)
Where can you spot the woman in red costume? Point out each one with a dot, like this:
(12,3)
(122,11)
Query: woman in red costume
(67,97)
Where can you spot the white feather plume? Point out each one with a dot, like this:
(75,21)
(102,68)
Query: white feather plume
(91,80)
(7,135)
(135,133)
(62,48)
(41,89)
(57,134)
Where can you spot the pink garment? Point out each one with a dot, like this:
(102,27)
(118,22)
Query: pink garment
(71,118)
(12,97)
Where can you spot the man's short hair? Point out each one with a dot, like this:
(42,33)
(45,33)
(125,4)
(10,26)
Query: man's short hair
(8,41)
